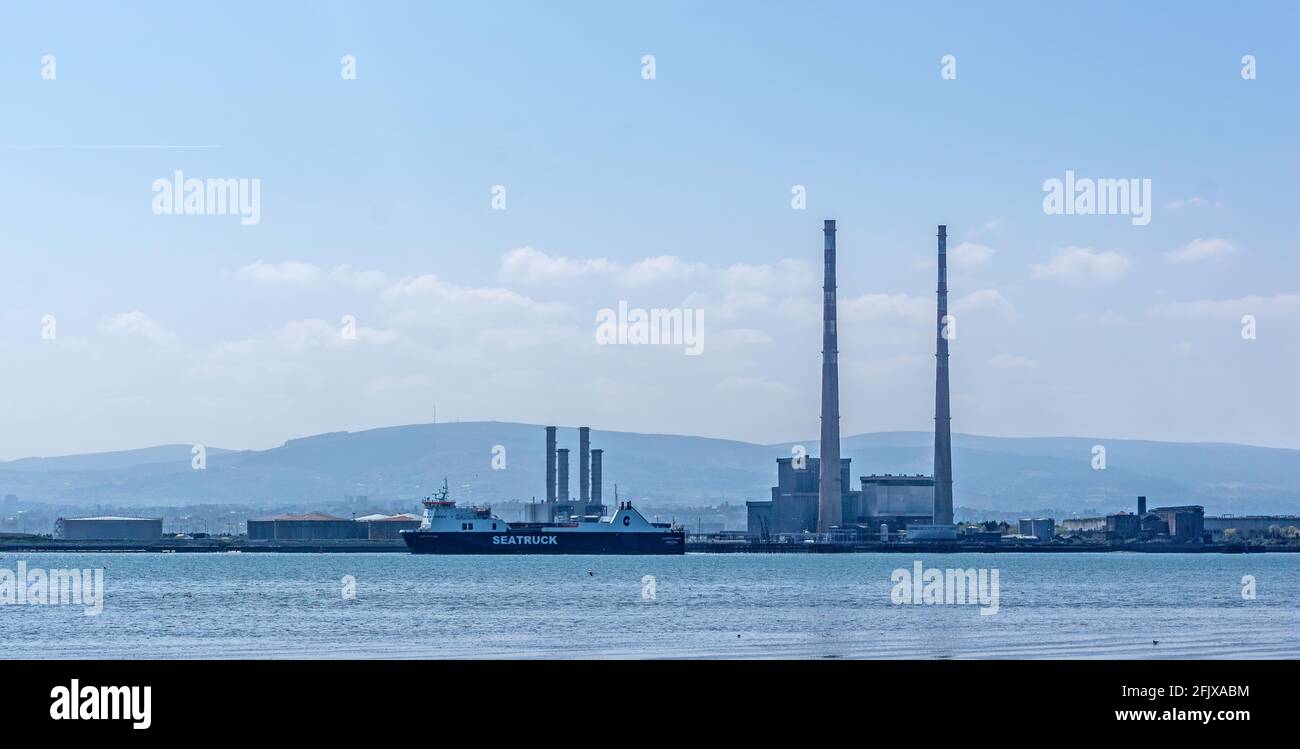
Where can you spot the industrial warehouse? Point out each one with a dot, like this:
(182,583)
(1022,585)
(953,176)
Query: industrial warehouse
(108,528)
(316,526)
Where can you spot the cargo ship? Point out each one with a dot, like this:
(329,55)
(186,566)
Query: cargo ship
(448,529)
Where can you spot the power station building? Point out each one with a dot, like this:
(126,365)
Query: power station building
(108,528)
(796,499)
(812,497)
(896,501)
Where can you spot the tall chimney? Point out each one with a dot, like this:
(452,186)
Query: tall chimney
(563,457)
(550,464)
(595,476)
(830,491)
(584,464)
(942,412)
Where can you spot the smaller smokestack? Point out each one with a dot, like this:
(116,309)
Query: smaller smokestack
(550,464)
(595,476)
(562,455)
(1142,505)
(584,464)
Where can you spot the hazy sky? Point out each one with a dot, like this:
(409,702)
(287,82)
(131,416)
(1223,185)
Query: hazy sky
(676,192)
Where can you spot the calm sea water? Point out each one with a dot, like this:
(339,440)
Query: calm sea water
(704,606)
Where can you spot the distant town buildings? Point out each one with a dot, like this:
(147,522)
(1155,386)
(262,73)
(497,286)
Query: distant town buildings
(1229,527)
(1184,524)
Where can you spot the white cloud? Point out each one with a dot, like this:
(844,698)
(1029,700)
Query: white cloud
(139,325)
(1230,309)
(1195,201)
(297,273)
(921,309)
(288,272)
(428,300)
(736,338)
(1082,265)
(969,255)
(528,265)
(755,386)
(1109,317)
(660,269)
(787,275)
(1201,249)
(532,266)
(1012,361)
(887,306)
(984,300)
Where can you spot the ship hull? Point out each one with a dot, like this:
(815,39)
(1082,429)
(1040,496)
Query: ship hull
(545,542)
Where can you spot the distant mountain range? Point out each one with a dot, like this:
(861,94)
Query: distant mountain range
(407,462)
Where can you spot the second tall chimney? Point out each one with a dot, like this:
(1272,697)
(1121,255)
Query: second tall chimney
(830,506)
(584,464)
(550,464)
(942,413)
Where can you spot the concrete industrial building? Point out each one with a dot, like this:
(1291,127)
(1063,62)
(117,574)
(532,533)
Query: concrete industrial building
(1182,523)
(795,506)
(1185,524)
(1043,529)
(108,528)
(898,501)
(388,527)
(894,501)
(312,526)
(1220,528)
(1122,526)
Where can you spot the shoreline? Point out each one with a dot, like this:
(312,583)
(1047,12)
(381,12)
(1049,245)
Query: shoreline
(398,546)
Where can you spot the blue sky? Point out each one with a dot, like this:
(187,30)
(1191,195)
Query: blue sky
(672,192)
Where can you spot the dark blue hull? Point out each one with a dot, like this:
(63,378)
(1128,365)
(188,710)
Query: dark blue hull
(545,542)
